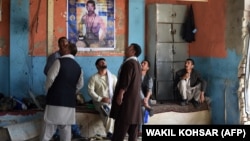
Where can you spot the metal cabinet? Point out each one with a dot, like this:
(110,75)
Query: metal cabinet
(165,49)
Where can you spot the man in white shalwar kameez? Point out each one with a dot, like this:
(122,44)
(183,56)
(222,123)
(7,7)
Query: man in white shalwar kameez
(101,86)
(64,80)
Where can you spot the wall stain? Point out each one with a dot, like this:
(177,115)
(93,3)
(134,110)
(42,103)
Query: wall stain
(2,42)
(120,18)
(60,29)
(233,30)
(40,44)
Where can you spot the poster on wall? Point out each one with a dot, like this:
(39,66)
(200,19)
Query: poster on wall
(91,24)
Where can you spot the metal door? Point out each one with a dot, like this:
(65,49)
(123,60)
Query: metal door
(176,33)
(180,51)
(164,52)
(168,13)
(164,13)
(164,33)
(166,49)
(164,70)
(180,13)
(177,66)
(164,90)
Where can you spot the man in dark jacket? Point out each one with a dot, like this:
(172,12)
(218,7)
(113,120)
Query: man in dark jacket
(190,84)
(146,92)
(126,103)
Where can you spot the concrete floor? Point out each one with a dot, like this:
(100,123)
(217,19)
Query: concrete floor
(175,118)
(37,139)
(91,124)
(167,118)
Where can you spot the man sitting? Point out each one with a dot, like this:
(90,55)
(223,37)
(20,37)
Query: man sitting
(190,84)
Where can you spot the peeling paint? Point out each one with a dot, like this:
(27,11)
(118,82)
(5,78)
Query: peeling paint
(120,14)
(120,43)
(234,26)
(2,42)
(60,29)
(40,44)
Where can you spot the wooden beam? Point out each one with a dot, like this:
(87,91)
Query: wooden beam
(194,0)
(0,10)
(50,26)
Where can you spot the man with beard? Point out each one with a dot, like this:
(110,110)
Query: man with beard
(101,86)
(95,26)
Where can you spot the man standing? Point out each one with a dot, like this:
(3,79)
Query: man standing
(64,79)
(190,84)
(95,26)
(126,103)
(62,41)
(101,87)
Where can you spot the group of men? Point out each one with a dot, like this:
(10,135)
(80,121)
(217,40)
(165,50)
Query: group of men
(122,92)
(121,101)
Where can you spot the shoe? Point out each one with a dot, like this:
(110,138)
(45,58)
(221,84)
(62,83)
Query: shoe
(139,134)
(184,102)
(56,138)
(196,104)
(109,135)
(83,139)
(150,111)
(79,137)
(105,109)
(98,137)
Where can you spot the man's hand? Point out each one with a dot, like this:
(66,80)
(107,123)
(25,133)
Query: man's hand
(119,99)
(202,97)
(106,100)
(145,100)
(186,76)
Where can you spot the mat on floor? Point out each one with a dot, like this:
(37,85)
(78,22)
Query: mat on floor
(173,106)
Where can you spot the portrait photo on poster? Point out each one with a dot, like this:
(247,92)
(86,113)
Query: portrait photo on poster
(91,24)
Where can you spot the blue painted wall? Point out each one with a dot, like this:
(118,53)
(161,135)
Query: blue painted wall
(87,64)
(136,24)
(22,72)
(20,64)
(4,75)
(222,77)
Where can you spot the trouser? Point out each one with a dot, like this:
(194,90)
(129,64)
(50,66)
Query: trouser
(48,131)
(145,117)
(74,129)
(107,121)
(121,129)
(189,93)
